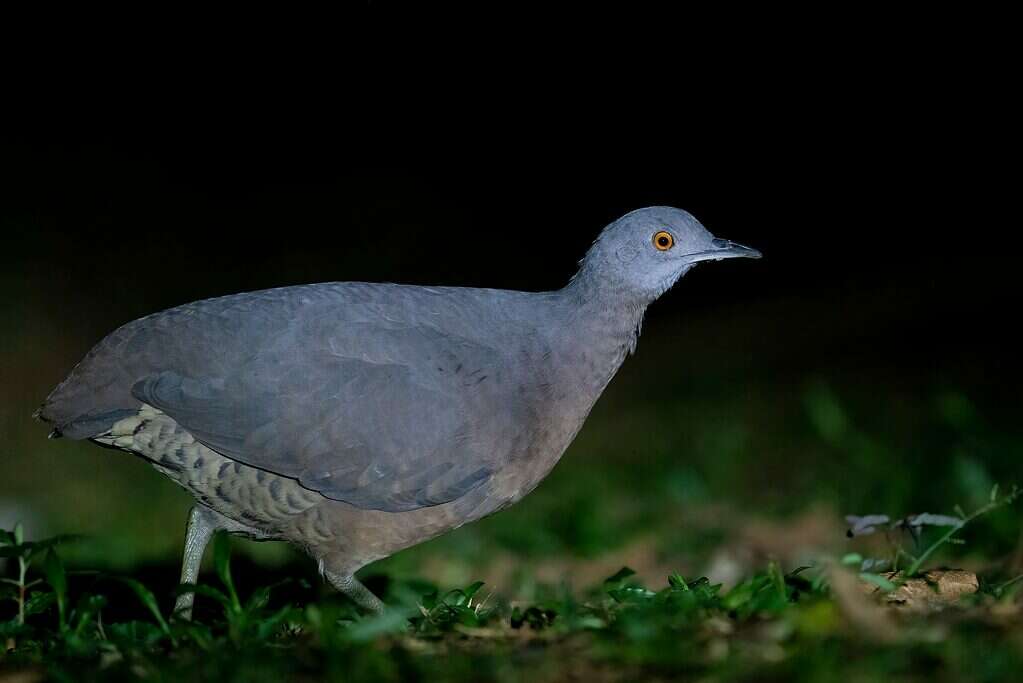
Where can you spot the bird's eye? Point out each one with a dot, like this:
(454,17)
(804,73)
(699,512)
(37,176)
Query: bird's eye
(663,240)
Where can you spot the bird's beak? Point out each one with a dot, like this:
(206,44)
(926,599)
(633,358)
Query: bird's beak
(721,249)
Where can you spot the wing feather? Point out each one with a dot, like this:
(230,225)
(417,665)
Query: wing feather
(383,396)
(378,435)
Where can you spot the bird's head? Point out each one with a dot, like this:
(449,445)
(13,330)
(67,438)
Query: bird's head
(645,252)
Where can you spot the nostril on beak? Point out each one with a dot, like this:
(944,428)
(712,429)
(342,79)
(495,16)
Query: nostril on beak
(727,248)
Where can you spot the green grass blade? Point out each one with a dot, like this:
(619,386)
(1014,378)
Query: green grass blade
(206,591)
(880,581)
(147,598)
(222,562)
(53,569)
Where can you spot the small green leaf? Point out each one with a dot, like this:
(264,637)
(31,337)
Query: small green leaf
(88,606)
(261,596)
(207,591)
(631,594)
(739,595)
(200,634)
(222,562)
(39,602)
(473,589)
(619,576)
(777,579)
(129,634)
(460,597)
(258,600)
(147,598)
(880,581)
(852,560)
(429,600)
(455,598)
(53,570)
(266,627)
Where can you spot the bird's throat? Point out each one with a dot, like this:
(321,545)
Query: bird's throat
(600,330)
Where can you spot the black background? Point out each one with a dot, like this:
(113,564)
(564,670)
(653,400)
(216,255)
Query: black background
(885,203)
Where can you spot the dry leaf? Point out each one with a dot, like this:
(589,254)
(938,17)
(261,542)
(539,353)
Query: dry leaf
(935,590)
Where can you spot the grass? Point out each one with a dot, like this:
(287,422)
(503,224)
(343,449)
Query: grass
(776,624)
(840,617)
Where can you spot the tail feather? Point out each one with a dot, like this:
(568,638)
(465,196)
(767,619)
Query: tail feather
(38,415)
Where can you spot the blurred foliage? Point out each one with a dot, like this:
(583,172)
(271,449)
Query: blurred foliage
(771,626)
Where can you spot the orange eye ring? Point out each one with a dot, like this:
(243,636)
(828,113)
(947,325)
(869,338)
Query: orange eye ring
(664,240)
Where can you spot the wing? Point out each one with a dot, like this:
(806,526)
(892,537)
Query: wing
(383,396)
(382,416)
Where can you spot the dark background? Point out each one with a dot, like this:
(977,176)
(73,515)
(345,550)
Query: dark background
(867,363)
(900,227)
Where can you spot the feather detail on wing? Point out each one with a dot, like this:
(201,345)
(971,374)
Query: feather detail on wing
(377,435)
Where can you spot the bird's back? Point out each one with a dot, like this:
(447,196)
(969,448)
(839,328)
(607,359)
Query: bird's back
(385,396)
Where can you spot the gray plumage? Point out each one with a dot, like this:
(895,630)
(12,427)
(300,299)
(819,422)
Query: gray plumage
(356,419)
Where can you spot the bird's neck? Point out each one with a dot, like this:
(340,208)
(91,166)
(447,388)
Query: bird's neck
(601,327)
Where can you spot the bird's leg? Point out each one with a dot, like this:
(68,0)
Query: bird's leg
(197,535)
(356,591)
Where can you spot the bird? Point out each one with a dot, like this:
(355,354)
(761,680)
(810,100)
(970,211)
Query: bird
(356,419)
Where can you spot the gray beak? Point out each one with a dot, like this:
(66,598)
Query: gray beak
(722,249)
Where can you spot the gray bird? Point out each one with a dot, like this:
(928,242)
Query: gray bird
(355,419)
